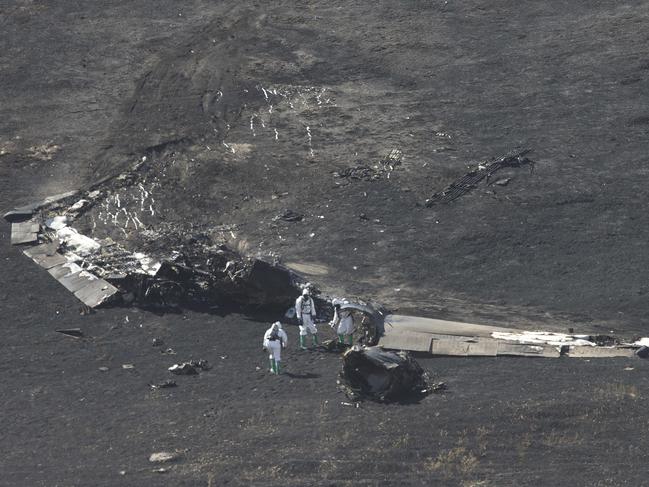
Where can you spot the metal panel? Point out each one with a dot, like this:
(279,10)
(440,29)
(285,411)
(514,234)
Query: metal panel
(600,352)
(49,261)
(407,340)
(74,282)
(464,346)
(96,292)
(47,249)
(24,232)
(59,271)
(521,350)
(443,327)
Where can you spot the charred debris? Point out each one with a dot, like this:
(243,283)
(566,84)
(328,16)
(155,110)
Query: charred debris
(183,271)
(483,170)
(384,376)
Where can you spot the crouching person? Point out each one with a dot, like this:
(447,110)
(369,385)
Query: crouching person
(274,340)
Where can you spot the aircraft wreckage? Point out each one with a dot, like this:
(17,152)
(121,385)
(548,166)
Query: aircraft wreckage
(196,271)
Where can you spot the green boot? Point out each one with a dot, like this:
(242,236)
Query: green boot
(278,367)
(351,340)
(302,342)
(341,338)
(315,339)
(273,366)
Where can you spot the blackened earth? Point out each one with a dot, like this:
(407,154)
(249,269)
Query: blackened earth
(244,111)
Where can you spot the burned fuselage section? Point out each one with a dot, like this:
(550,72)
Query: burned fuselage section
(382,375)
(99,244)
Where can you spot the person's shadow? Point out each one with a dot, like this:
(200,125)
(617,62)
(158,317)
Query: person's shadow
(308,375)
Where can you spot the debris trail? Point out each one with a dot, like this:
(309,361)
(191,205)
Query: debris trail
(469,181)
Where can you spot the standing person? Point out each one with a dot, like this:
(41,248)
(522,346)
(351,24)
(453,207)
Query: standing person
(274,340)
(344,320)
(305,312)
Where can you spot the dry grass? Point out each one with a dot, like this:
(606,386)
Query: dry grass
(458,461)
(616,391)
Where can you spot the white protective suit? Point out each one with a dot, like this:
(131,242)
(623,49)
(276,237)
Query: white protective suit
(343,318)
(305,313)
(274,347)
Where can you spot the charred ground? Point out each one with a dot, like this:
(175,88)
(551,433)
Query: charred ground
(89,90)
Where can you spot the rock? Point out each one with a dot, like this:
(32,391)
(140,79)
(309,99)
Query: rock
(163,457)
(157,342)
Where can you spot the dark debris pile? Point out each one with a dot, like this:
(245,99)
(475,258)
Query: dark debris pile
(383,376)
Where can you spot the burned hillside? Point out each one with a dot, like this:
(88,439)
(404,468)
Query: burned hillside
(212,153)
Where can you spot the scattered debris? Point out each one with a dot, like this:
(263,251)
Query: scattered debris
(104,369)
(44,152)
(71,332)
(128,366)
(160,470)
(502,182)
(197,273)
(189,368)
(163,385)
(163,457)
(289,216)
(381,375)
(365,172)
(85,310)
(353,404)
(483,170)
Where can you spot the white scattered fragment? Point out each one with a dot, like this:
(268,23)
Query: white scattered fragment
(57,223)
(128,366)
(642,342)
(309,140)
(78,205)
(312,235)
(545,338)
(276,134)
(163,456)
(76,242)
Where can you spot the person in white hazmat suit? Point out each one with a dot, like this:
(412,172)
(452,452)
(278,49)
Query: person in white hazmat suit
(305,313)
(343,322)
(274,340)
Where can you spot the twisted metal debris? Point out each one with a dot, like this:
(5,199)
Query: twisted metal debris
(470,180)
